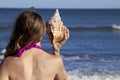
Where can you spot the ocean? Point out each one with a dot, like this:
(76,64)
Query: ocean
(93,49)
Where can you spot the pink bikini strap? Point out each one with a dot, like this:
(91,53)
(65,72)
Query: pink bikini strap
(33,45)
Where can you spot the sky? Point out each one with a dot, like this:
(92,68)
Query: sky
(60,3)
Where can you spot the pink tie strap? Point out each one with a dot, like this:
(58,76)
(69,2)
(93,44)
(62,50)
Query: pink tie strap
(33,45)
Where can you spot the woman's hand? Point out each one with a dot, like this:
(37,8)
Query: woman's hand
(57,45)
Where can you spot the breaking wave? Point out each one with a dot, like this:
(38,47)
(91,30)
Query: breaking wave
(80,76)
(106,28)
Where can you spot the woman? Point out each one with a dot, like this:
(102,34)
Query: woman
(25,59)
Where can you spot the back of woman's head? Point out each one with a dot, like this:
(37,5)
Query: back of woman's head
(29,28)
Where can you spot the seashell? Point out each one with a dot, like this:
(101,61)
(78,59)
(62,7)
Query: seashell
(56,26)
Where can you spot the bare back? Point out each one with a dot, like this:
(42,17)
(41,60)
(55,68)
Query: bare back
(34,64)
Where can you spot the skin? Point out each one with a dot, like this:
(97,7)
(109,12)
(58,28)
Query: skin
(35,64)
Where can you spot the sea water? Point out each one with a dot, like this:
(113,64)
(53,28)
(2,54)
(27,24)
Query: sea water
(93,49)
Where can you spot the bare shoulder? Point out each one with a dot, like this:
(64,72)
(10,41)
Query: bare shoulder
(10,62)
(56,58)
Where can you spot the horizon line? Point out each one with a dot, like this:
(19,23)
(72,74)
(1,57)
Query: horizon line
(50,8)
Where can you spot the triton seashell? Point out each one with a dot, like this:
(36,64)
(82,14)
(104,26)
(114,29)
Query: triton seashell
(56,26)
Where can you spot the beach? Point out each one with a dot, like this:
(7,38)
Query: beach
(93,49)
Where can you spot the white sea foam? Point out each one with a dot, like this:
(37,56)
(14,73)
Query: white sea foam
(80,76)
(71,58)
(1,57)
(116,27)
(85,57)
(2,51)
(1,54)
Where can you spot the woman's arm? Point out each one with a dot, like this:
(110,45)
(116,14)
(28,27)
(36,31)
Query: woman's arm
(61,72)
(3,71)
(56,46)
